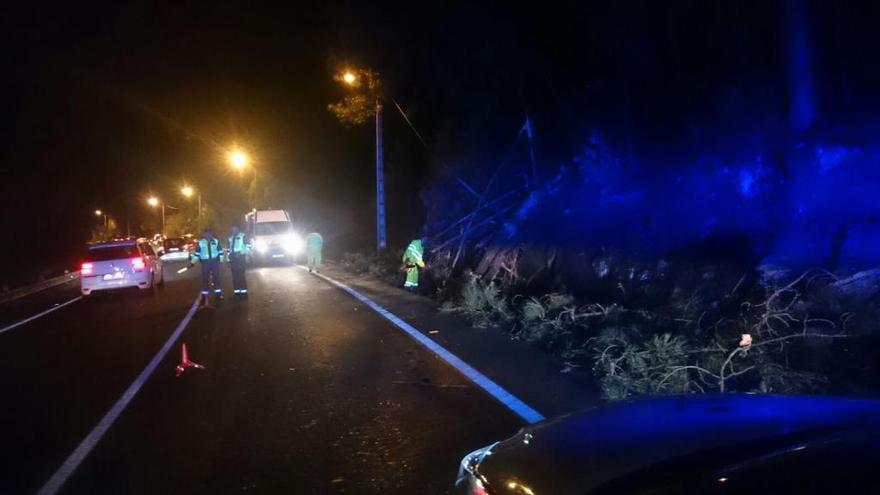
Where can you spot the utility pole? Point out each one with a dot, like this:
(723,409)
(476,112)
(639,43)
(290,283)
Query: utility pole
(365,82)
(380,183)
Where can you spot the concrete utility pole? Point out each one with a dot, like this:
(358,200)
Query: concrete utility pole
(365,82)
(380,183)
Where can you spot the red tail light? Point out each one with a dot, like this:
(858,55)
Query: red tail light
(86,269)
(138,263)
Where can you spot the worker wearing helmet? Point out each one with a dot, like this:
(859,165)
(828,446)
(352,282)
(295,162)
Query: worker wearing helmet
(413,261)
(238,251)
(208,253)
(314,244)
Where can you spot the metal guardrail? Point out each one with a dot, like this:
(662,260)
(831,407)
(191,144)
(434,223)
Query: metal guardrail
(38,287)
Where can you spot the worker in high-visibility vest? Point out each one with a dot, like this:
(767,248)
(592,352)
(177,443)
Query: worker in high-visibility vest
(208,253)
(239,248)
(314,244)
(413,260)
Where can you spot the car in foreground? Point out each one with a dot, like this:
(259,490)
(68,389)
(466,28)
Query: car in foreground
(119,265)
(707,444)
(175,249)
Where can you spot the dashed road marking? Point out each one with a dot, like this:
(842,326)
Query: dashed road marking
(85,447)
(510,401)
(44,313)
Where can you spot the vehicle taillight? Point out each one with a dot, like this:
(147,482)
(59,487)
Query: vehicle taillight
(138,263)
(86,269)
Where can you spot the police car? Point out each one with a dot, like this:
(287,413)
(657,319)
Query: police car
(120,264)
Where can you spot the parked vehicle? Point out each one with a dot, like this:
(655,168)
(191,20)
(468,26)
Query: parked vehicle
(272,236)
(119,265)
(175,248)
(707,444)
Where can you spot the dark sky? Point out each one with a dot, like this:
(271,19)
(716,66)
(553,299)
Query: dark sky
(104,103)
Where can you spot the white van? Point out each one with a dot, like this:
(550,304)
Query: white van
(272,236)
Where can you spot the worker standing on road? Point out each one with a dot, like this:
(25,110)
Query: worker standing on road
(413,261)
(208,252)
(238,251)
(314,244)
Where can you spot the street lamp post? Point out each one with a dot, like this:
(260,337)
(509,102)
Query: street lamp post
(351,78)
(188,191)
(154,202)
(99,214)
(239,160)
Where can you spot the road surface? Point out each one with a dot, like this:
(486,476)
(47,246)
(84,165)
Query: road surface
(306,390)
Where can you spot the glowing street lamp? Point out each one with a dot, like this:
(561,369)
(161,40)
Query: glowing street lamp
(101,214)
(238,159)
(188,191)
(154,202)
(348,77)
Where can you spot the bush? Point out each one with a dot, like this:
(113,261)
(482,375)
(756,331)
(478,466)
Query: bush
(628,362)
(383,266)
(483,304)
(548,319)
(356,262)
(765,349)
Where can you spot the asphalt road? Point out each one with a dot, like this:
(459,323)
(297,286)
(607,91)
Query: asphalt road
(305,390)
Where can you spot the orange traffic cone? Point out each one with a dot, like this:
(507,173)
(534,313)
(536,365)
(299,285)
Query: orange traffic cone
(185,362)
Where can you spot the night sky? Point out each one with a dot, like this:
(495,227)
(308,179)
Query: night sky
(103,104)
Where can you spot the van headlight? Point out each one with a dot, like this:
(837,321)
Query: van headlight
(261,245)
(292,244)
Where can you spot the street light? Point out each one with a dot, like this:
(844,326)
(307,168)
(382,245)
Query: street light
(238,159)
(99,214)
(154,202)
(370,88)
(188,191)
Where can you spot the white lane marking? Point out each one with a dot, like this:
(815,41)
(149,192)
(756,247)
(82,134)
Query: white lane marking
(85,447)
(44,313)
(519,407)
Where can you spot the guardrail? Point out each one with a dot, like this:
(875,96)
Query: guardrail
(38,287)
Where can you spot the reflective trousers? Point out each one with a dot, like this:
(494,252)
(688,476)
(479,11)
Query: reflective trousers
(314,258)
(211,271)
(239,281)
(412,276)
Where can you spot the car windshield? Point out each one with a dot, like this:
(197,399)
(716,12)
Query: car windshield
(106,253)
(273,228)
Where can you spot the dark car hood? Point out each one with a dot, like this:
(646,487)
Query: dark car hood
(581,451)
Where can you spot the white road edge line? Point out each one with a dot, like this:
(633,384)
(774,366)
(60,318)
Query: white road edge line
(519,407)
(85,447)
(44,313)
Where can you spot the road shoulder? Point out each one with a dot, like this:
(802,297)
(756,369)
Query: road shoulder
(535,377)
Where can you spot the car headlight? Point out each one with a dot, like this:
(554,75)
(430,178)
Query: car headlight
(261,245)
(292,244)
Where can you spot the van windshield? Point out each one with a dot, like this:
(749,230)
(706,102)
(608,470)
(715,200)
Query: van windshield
(272,228)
